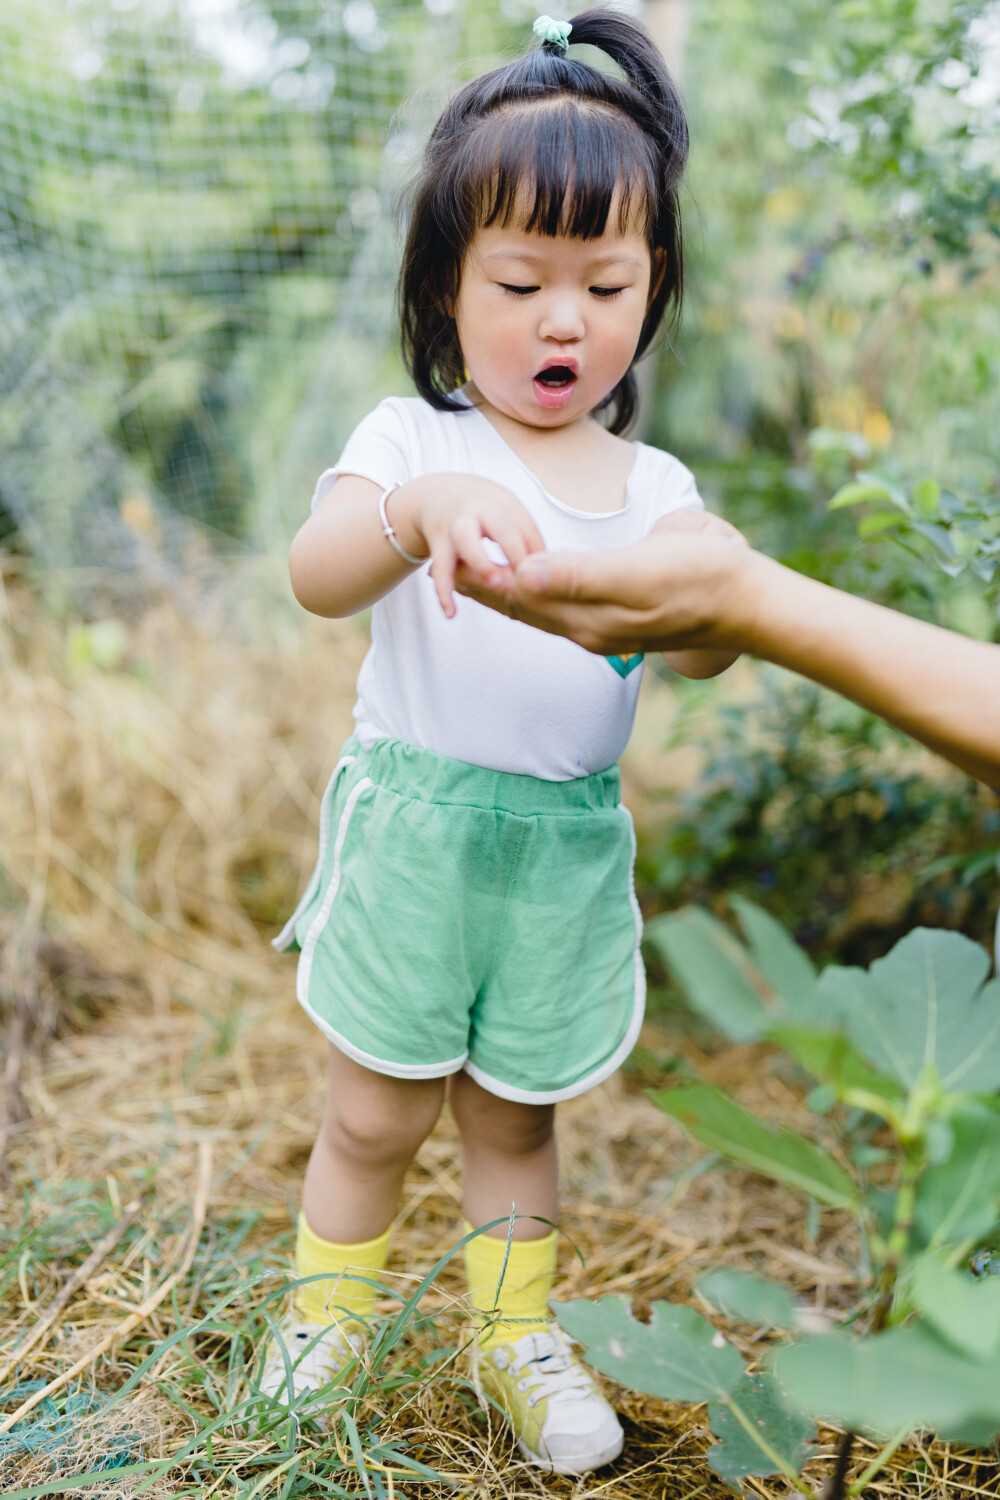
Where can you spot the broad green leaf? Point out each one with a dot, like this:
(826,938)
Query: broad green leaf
(894,492)
(924,1005)
(925,498)
(722,1126)
(964,543)
(959,1199)
(831,1059)
(749,1299)
(858,494)
(904,1378)
(770,1439)
(714,971)
(963,1311)
(939,536)
(677,1355)
(779,958)
(880,520)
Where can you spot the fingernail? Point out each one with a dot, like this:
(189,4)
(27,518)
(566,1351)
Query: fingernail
(533,574)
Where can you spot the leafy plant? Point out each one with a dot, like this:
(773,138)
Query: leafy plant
(952,533)
(802,802)
(911,1046)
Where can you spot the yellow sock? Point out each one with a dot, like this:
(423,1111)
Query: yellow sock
(330,1301)
(527,1282)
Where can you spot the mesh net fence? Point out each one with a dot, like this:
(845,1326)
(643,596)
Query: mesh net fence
(197,256)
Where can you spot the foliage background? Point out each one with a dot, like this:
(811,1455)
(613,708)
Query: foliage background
(198,228)
(197,251)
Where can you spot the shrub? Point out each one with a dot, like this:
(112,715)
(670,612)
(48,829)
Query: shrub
(805,804)
(912,1044)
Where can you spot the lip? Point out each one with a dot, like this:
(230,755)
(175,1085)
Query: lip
(546,395)
(550,364)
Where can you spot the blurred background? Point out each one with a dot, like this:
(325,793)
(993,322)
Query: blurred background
(198,242)
(199,209)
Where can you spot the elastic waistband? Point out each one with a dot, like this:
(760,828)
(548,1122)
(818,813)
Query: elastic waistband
(429,777)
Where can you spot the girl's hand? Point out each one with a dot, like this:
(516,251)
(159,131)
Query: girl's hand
(451,515)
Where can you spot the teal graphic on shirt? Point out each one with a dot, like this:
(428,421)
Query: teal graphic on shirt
(623,665)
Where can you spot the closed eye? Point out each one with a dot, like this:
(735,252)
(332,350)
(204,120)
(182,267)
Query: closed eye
(519,291)
(607,291)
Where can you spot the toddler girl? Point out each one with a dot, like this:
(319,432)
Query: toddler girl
(471,929)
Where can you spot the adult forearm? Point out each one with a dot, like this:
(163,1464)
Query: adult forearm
(941,688)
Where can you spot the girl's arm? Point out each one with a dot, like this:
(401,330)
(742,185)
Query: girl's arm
(684,591)
(340,560)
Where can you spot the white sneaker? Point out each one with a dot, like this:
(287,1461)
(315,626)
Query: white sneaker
(560,1419)
(318,1353)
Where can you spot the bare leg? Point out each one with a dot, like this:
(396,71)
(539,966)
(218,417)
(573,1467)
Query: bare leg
(508,1156)
(371,1129)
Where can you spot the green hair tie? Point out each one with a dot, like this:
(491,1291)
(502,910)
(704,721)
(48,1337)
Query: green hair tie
(556,32)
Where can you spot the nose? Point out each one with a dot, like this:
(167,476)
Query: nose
(561,320)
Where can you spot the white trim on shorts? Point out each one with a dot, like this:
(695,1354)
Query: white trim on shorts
(614,1062)
(366,1059)
(287,933)
(376,1064)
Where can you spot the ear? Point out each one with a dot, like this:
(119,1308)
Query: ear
(657,273)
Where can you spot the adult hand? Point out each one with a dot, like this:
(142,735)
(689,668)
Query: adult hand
(675,590)
(682,589)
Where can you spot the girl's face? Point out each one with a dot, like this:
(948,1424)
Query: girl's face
(548,326)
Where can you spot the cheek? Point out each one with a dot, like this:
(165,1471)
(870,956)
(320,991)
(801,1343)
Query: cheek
(621,338)
(490,335)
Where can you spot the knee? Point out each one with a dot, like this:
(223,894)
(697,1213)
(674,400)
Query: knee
(501,1125)
(378,1132)
(531,1129)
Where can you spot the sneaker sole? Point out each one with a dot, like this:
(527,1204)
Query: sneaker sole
(582,1465)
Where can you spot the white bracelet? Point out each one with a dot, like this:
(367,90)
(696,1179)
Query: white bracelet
(388,531)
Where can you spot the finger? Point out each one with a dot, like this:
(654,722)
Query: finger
(532,536)
(582,576)
(513,521)
(467,537)
(515,539)
(553,621)
(499,583)
(470,588)
(599,629)
(443,573)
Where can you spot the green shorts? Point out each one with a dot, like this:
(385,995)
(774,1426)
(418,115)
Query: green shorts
(466,918)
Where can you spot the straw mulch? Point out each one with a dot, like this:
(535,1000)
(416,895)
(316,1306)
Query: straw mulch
(157,817)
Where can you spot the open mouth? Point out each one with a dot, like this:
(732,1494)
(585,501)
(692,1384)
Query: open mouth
(556,376)
(555,384)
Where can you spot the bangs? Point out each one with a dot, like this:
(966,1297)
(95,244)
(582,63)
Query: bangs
(558,167)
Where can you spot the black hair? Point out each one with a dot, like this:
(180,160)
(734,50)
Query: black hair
(550,143)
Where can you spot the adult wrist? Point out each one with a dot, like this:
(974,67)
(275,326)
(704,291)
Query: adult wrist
(753,621)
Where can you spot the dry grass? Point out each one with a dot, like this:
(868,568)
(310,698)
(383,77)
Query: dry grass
(156,820)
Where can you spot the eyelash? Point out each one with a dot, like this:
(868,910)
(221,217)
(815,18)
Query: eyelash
(606,293)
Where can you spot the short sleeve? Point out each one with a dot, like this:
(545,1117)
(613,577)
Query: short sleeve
(377,449)
(668,485)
